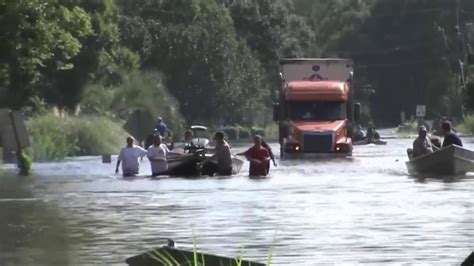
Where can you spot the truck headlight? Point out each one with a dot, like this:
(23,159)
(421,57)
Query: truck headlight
(293,147)
(342,148)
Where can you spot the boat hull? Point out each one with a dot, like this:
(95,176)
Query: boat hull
(167,256)
(364,142)
(452,160)
(187,165)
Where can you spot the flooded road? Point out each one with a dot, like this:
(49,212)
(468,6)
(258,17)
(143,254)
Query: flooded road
(367,210)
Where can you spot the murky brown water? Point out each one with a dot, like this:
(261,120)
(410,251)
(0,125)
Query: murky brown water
(362,211)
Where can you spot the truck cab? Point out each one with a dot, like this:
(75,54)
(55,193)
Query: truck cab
(315,107)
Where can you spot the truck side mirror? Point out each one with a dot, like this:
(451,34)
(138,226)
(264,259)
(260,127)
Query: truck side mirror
(357,113)
(276,110)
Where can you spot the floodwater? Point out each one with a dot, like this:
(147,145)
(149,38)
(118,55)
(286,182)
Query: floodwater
(366,210)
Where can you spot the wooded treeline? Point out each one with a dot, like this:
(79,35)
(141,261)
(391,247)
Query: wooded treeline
(216,61)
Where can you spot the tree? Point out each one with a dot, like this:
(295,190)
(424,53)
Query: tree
(36,33)
(195,46)
(101,58)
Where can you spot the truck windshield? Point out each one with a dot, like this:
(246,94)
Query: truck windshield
(320,111)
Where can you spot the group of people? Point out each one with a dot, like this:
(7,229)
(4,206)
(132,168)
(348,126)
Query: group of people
(220,163)
(130,155)
(423,145)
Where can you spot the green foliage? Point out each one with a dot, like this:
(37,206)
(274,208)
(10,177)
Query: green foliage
(136,90)
(100,59)
(232,133)
(54,137)
(36,33)
(470,95)
(468,125)
(409,127)
(195,45)
(25,164)
(219,58)
(257,131)
(244,133)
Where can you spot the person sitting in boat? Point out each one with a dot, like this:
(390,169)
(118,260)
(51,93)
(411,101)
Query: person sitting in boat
(370,136)
(222,155)
(422,145)
(450,138)
(188,144)
(157,155)
(129,156)
(258,157)
(272,156)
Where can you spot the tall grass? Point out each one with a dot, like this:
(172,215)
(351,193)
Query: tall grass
(468,125)
(56,137)
(408,128)
(136,90)
(165,258)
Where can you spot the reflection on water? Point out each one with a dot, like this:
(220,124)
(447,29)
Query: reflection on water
(364,210)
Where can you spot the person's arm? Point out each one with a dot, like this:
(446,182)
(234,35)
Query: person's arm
(272,156)
(213,157)
(119,160)
(117,167)
(268,157)
(142,151)
(244,153)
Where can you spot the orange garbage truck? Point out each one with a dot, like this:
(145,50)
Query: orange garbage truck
(315,108)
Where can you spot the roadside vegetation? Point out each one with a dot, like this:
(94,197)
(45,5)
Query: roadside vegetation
(467,127)
(54,137)
(216,62)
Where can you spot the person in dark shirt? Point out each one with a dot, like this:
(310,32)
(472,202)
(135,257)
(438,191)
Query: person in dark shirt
(450,138)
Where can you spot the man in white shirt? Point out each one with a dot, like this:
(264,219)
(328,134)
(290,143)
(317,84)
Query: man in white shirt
(129,156)
(157,156)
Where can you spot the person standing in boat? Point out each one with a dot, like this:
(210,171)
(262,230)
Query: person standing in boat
(422,145)
(222,156)
(161,127)
(450,138)
(259,158)
(128,157)
(157,156)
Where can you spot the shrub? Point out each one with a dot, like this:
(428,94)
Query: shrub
(244,133)
(54,137)
(258,131)
(136,90)
(49,138)
(231,132)
(468,125)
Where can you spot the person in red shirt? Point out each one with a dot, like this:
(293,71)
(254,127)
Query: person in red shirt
(258,157)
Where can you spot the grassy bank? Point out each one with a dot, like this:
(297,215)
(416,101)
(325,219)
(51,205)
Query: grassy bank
(408,128)
(467,127)
(54,137)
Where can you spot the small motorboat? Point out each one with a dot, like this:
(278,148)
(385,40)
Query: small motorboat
(364,142)
(452,160)
(188,164)
(169,255)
